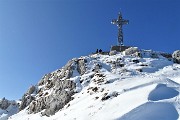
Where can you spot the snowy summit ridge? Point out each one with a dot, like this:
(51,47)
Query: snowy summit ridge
(130,85)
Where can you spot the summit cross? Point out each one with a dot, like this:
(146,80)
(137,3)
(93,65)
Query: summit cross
(120,22)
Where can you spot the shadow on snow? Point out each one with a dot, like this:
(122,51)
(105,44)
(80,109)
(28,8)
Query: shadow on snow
(152,111)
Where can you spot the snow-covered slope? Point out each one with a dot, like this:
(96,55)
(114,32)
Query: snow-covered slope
(120,87)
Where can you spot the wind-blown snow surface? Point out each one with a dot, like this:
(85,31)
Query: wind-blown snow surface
(125,88)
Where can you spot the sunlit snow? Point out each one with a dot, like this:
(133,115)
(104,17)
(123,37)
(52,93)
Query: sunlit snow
(126,93)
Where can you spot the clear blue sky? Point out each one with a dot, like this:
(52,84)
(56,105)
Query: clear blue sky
(40,36)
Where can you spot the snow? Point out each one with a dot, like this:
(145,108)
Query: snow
(129,94)
(152,111)
(162,92)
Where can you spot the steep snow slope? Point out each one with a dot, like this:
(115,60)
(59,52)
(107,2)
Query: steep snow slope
(119,87)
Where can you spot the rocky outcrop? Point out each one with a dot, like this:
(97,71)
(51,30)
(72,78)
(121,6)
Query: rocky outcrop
(61,95)
(31,90)
(81,67)
(28,97)
(25,101)
(74,64)
(176,56)
(131,50)
(54,90)
(8,108)
(4,104)
(67,71)
(57,101)
(113,52)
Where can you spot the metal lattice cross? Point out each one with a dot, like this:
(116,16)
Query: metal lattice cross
(120,22)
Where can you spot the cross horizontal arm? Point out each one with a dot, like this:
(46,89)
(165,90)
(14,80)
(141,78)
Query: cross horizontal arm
(114,21)
(125,22)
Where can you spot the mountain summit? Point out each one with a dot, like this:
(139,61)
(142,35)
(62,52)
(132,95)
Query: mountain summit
(130,85)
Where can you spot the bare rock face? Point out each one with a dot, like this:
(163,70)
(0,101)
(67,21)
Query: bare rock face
(27,97)
(45,78)
(26,100)
(39,97)
(37,105)
(63,90)
(176,56)
(81,68)
(4,104)
(57,102)
(8,108)
(31,89)
(67,72)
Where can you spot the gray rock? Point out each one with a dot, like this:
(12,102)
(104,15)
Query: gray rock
(60,86)
(63,90)
(4,104)
(31,89)
(131,50)
(81,68)
(57,102)
(26,100)
(64,84)
(176,56)
(38,105)
(67,71)
(45,78)
(113,52)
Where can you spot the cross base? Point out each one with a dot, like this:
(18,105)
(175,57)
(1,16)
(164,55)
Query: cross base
(119,48)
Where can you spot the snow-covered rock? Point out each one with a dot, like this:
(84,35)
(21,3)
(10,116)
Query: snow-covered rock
(113,52)
(94,87)
(54,90)
(4,104)
(131,50)
(176,56)
(31,90)
(57,99)
(28,97)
